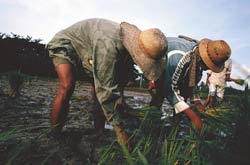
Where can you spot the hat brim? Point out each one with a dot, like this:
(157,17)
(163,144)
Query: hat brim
(203,50)
(151,68)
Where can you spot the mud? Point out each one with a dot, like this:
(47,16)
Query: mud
(25,125)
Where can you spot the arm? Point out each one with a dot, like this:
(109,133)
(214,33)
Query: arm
(179,65)
(174,95)
(182,106)
(105,75)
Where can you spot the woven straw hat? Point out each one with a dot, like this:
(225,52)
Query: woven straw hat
(214,53)
(146,48)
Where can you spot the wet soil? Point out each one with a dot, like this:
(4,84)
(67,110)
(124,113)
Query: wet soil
(24,125)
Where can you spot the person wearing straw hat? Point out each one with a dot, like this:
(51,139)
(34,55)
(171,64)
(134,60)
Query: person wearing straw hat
(216,83)
(106,52)
(185,62)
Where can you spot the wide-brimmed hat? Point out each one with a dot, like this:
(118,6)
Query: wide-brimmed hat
(214,53)
(146,48)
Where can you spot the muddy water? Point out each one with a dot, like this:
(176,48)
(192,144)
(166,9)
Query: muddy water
(25,121)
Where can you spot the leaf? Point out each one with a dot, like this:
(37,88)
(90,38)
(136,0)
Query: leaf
(142,157)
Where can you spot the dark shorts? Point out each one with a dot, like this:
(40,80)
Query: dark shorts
(64,53)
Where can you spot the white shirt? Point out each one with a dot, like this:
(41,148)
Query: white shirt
(219,78)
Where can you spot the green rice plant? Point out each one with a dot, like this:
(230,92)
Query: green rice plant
(17,156)
(143,150)
(238,81)
(154,143)
(146,113)
(223,122)
(24,151)
(7,135)
(170,148)
(113,153)
(15,81)
(142,158)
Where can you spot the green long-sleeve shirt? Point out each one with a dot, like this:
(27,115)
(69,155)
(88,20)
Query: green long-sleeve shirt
(98,41)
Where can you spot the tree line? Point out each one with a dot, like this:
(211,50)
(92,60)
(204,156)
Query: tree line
(29,56)
(25,55)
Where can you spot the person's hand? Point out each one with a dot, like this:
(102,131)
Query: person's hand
(199,105)
(195,119)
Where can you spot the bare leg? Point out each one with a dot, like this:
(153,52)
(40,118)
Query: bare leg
(60,105)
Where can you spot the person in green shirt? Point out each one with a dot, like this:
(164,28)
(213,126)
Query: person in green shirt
(106,52)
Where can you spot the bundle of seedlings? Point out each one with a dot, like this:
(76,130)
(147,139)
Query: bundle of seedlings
(148,112)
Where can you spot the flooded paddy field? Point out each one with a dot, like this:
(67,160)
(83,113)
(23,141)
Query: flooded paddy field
(25,123)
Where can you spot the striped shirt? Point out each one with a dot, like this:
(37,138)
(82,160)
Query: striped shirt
(178,62)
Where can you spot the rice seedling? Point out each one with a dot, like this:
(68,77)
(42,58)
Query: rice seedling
(15,82)
(155,144)
(238,81)
(151,113)
(6,135)
(173,140)
(179,143)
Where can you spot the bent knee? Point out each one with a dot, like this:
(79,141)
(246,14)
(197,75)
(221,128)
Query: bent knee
(66,87)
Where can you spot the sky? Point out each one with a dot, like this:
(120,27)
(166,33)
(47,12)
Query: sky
(214,19)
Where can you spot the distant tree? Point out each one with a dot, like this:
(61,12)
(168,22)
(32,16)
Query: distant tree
(25,55)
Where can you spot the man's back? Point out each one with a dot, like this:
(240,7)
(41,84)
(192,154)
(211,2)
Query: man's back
(175,43)
(93,40)
(177,48)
